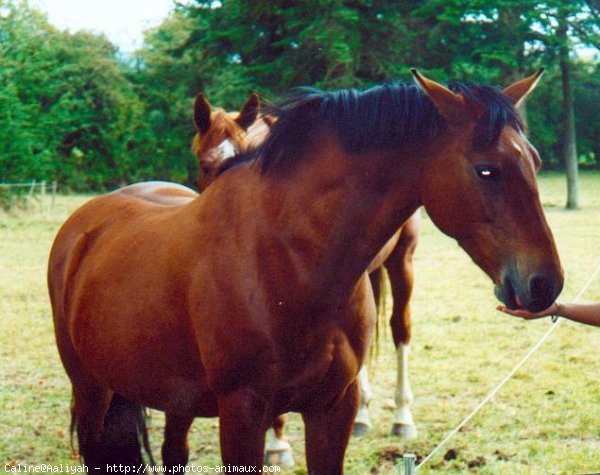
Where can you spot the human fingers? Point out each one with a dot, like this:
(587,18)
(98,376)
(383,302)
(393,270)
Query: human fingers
(521,313)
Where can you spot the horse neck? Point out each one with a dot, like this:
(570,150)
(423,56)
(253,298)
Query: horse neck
(334,212)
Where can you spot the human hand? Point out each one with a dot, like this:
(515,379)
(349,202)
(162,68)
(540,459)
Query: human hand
(553,309)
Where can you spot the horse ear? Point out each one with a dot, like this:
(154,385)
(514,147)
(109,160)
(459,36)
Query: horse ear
(249,112)
(201,114)
(518,91)
(450,105)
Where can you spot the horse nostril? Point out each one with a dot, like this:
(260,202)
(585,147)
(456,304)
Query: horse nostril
(541,290)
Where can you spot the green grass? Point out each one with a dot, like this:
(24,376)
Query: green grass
(545,420)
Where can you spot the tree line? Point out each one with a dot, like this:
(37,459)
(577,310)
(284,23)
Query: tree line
(75,109)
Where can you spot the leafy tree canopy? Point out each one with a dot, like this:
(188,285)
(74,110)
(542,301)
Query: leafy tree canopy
(75,110)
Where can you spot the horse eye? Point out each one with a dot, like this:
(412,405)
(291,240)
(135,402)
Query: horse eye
(486,172)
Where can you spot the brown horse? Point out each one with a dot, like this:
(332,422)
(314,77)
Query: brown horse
(220,136)
(271,309)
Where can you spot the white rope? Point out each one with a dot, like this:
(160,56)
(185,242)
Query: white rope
(494,391)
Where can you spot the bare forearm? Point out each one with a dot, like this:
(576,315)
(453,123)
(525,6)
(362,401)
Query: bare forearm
(581,312)
(588,313)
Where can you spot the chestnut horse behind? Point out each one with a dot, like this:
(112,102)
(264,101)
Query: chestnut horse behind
(220,135)
(271,310)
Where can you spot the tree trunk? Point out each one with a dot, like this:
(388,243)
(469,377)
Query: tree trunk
(569,143)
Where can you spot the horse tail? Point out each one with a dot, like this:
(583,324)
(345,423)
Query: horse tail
(379,285)
(73,428)
(124,435)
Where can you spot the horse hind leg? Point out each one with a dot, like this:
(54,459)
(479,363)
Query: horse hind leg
(278,451)
(362,422)
(400,270)
(403,425)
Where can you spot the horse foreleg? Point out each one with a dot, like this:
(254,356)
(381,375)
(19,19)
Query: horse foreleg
(362,423)
(244,417)
(175,449)
(278,450)
(327,434)
(400,270)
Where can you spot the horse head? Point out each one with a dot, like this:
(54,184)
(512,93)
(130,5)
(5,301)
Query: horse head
(220,135)
(482,190)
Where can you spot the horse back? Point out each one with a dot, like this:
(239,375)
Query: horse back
(159,192)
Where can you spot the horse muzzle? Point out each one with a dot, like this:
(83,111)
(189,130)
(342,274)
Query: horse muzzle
(533,292)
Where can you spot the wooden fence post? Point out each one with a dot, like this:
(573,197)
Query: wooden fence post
(406,465)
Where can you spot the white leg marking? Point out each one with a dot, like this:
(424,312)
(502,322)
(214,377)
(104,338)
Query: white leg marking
(404,396)
(366,394)
(278,451)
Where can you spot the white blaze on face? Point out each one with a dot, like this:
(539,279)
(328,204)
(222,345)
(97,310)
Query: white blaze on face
(226,149)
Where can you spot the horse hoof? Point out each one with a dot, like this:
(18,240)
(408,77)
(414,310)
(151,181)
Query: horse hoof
(360,429)
(279,455)
(405,431)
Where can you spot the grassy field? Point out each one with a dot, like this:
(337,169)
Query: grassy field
(546,420)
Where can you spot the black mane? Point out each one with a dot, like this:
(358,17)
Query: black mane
(389,115)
